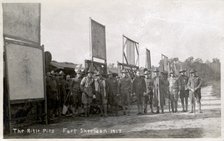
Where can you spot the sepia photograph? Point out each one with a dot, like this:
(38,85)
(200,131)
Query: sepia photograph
(112,69)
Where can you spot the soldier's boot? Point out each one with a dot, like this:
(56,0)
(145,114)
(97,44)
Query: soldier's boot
(172,106)
(151,107)
(199,107)
(175,106)
(157,110)
(162,109)
(138,110)
(182,103)
(142,111)
(145,109)
(88,110)
(186,101)
(105,110)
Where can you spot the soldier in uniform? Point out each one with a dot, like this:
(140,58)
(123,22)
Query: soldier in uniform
(53,96)
(113,96)
(61,90)
(159,97)
(100,89)
(184,92)
(194,85)
(148,96)
(125,92)
(87,87)
(165,85)
(69,97)
(76,92)
(139,88)
(174,89)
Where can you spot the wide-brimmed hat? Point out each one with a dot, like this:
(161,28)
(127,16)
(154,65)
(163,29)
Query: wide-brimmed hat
(61,73)
(193,71)
(182,70)
(164,72)
(156,70)
(146,73)
(98,73)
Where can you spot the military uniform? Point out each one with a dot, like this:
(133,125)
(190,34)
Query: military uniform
(87,87)
(174,89)
(100,90)
(139,88)
(61,92)
(149,94)
(158,97)
(53,97)
(113,98)
(194,85)
(125,91)
(76,92)
(184,92)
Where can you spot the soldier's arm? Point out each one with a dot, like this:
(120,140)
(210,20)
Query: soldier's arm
(144,85)
(133,86)
(200,83)
(82,84)
(189,84)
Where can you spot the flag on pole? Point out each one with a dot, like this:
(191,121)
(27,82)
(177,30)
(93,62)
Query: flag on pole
(148,59)
(165,63)
(130,51)
(98,40)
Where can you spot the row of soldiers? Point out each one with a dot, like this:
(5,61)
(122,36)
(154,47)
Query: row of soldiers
(93,91)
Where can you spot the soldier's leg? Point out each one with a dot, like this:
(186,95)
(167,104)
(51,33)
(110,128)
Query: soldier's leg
(151,103)
(199,104)
(142,103)
(192,98)
(105,109)
(128,106)
(176,101)
(145,103)
(172,102)
(162,108)
(186,100)
(182,99)
(138,104)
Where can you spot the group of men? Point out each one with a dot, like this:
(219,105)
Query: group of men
(94,92)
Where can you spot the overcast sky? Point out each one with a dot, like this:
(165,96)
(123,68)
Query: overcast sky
(172,27)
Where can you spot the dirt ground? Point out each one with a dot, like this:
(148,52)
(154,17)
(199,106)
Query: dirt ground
(167,125)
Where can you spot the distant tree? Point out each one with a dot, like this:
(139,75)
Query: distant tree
(198,60)
(215,60)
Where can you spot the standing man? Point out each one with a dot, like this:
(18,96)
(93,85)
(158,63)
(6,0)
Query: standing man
(159,98)
(165,86)
(148,96)
(184,92)
(194,85)
(139,88)
(125,92)
(174,89)
(113,96)
(100,88)
(76,92)
(61,90)
(87,87)
(53,96)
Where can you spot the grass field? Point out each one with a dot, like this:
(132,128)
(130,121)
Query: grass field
(216,88)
